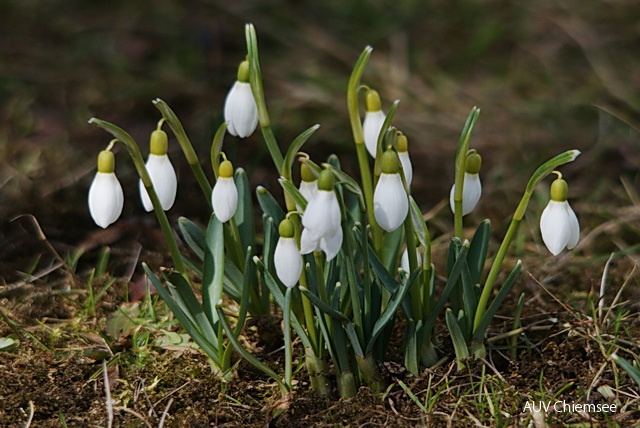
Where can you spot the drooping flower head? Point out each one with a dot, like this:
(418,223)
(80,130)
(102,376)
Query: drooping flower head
(224,197)
(308,185)
(472,187)
(240,110)
(403,154)
(373,121)
(558,224)
(390,200)
(106,198)
(163,176)
(321,220)
(287,259)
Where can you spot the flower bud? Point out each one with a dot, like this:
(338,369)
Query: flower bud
(224,197)
(106,198)
(240,110)
(558,224)
(161,172)
(403,154)
(373,121)
(390,200)
(286,258)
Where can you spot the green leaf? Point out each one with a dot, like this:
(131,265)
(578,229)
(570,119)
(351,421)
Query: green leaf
(459,343)
(353,338)
(216,147)
(419,225)
(209,347)
(244,213)
(247,355)
(8,344)
(193,235)
(478,335)
(193,307)
(478,251)
(381,272)
(632,371)
(392,243)
(411,347)
(453,278)
(293,192)
(349,183)
(294,148)
(391,309)
(269,205)
(323,306)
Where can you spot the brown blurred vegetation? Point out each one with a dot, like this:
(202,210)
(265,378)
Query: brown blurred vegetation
(548,75)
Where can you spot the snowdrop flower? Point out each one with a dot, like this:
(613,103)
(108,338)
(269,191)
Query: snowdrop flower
(321,220)
(472,187)
(373,121)
(224,197)
(559,224)
(105,194)
(308,186)
(403,154)
(390,201)
(240,110)
(161,172)
(286,258)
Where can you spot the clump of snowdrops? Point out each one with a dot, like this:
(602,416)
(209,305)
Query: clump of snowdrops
(341,258)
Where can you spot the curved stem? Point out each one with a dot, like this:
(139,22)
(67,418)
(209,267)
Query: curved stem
(540,173)
(461,160)
(138,161)
(185,144)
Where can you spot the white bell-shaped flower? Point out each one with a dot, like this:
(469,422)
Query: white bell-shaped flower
(287,259)
(106,198)
(373,121)
(558,224)
(162,174)
(390,200)
(472,186)
(321,220)
(224,197)
(308,185)
(240,110)
(403,154)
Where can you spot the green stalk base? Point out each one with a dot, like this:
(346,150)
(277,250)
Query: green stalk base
(347,384)
(371,373)
(428,354)
(317,369)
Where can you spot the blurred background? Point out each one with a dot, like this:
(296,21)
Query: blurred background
(548,76)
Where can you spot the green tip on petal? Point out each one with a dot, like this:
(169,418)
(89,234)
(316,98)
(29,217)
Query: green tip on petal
(306,174)
(474,162)
(106,162)
(372,100)
(243,72)
(326,180)
(390,162)
(158,143)
(286,229)
(226,169)
(402,143)
(559,190)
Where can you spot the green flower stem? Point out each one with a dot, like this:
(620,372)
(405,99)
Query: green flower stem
(358,138)
(317,369)
(185,144)
(255,80)
(542,171)
(347,384)
(371,373)
(287,339)
(410,239)
(461,159)
(235,250)
(138,161)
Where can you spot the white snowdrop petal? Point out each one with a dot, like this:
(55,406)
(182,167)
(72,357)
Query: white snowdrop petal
(164,180)
(308,242)
(322,215)
(373,121)
(308,189)
(471,192)
(224,198)
(331,245)
(390,202)
(574,228)
(406,167)
(554,226)
(404,261)
(240,110)
(287,261)
(106,199)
